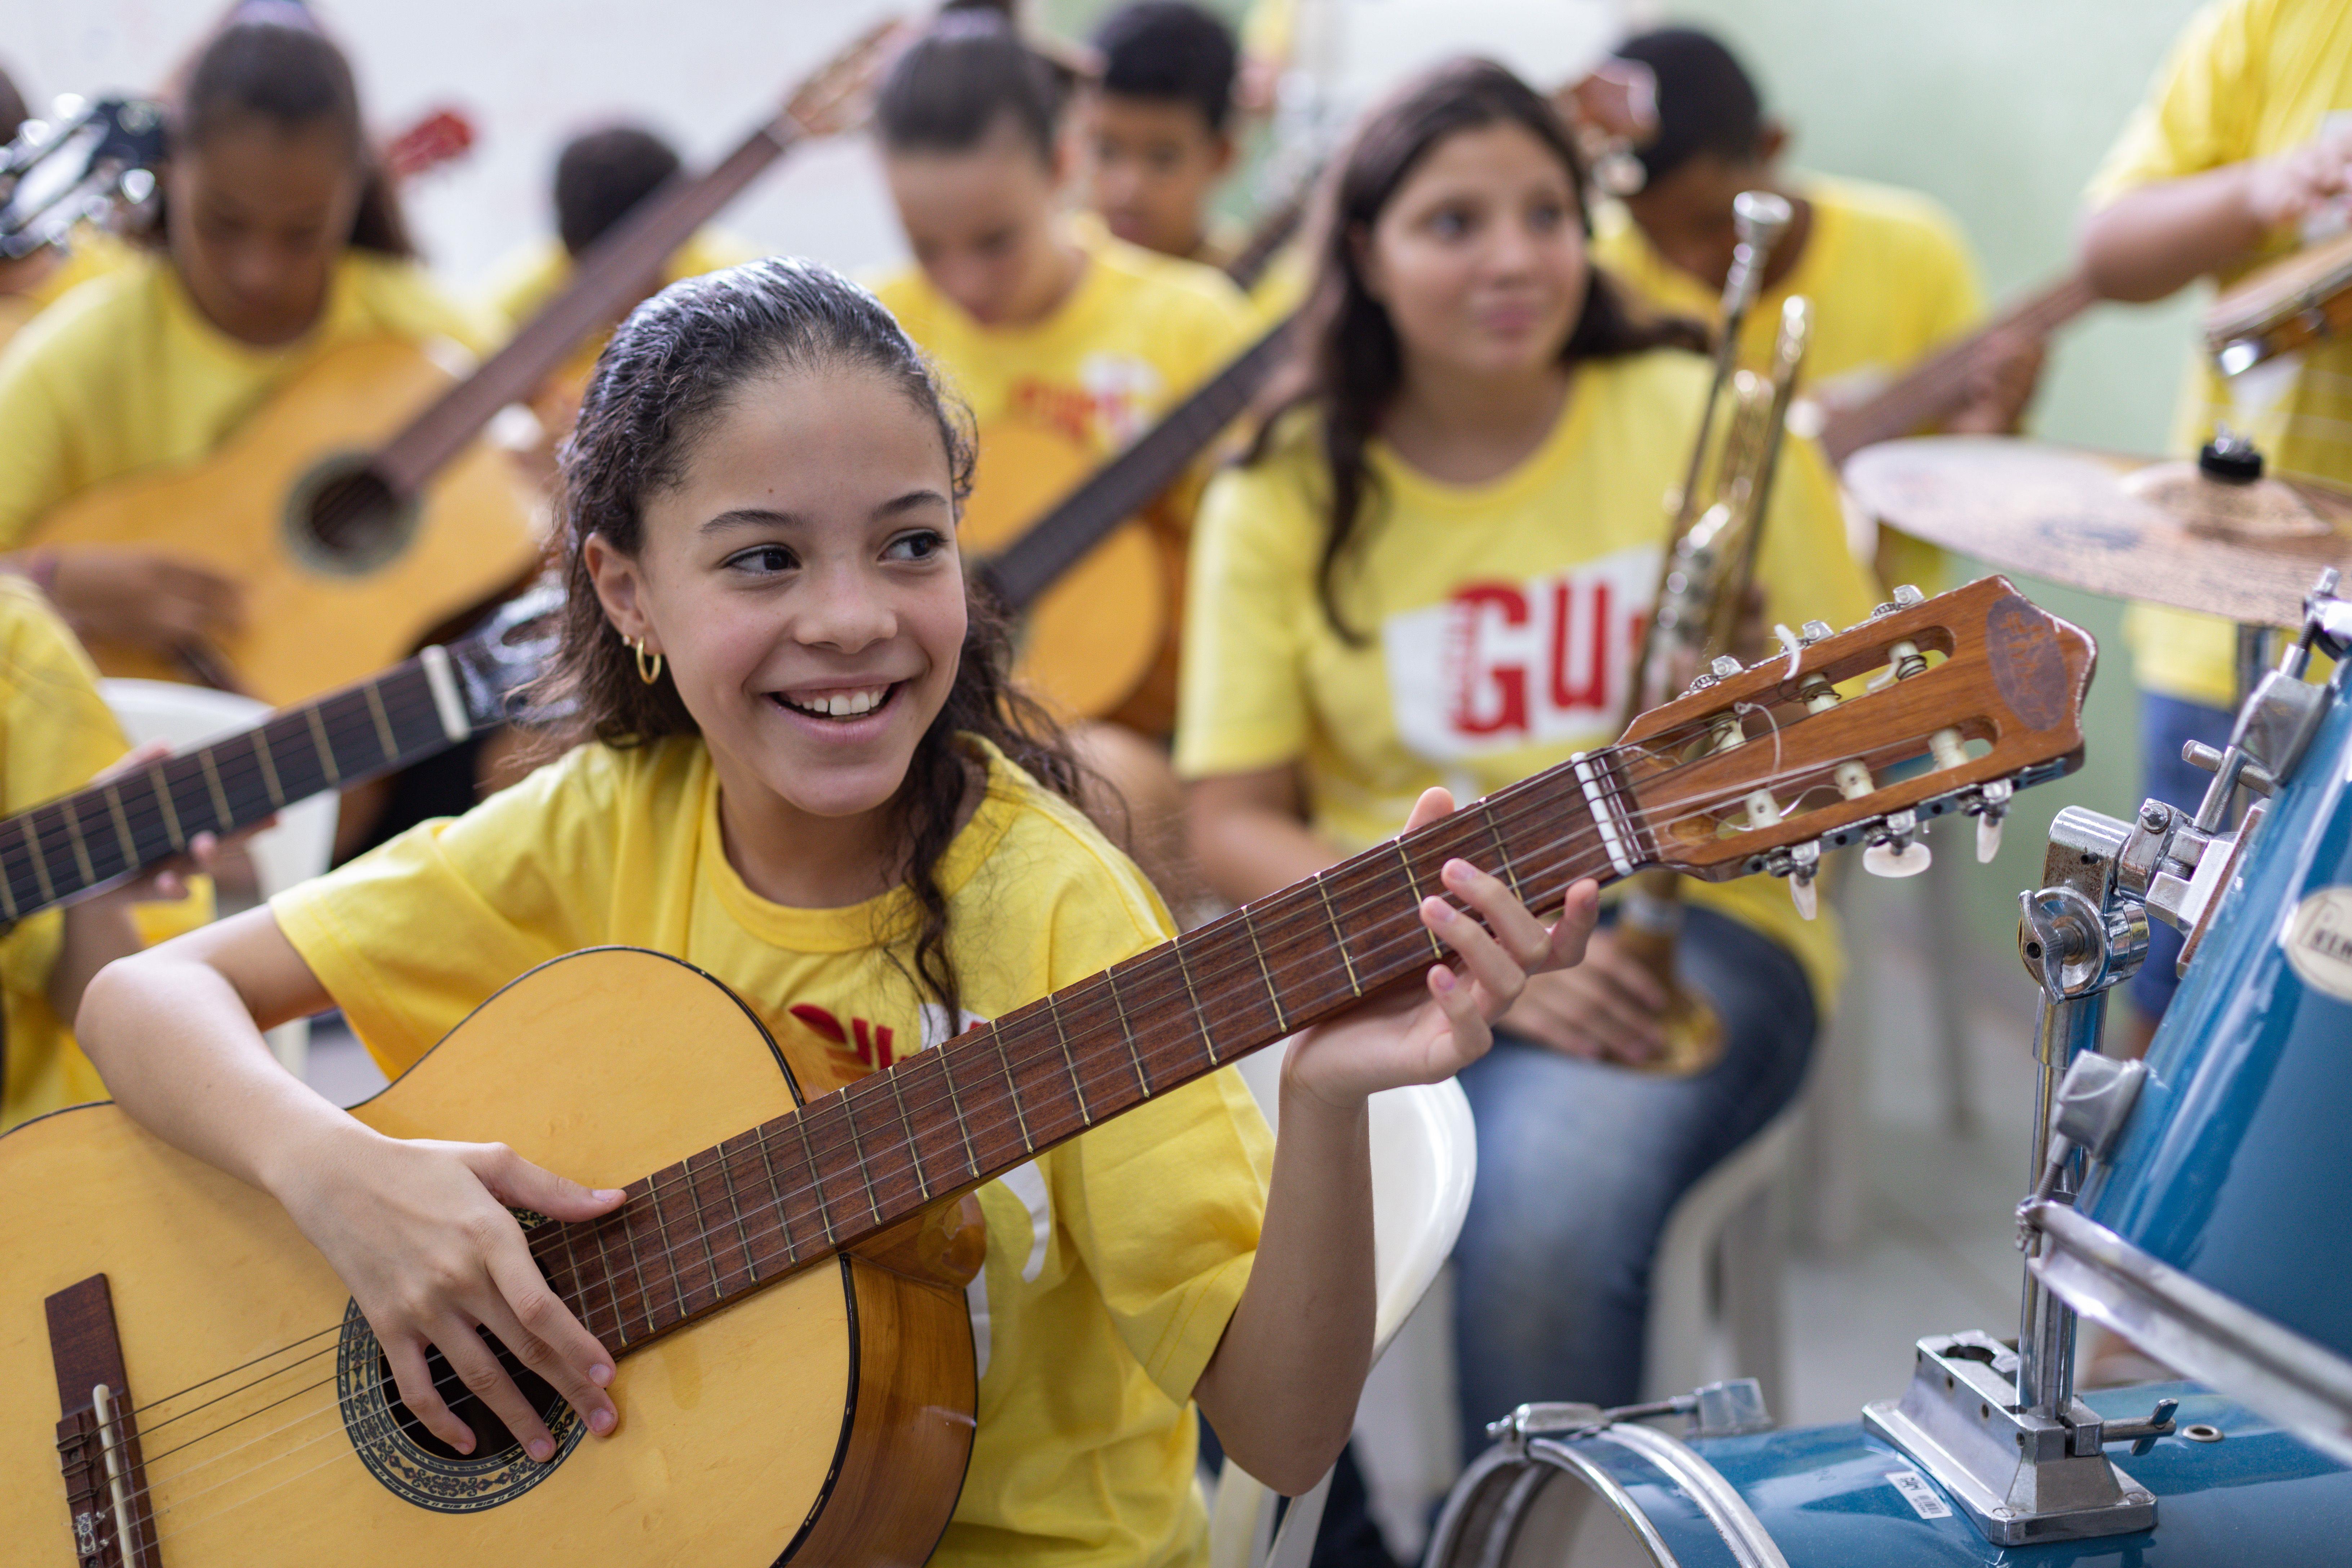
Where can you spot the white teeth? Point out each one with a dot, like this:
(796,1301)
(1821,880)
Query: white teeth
(841,704)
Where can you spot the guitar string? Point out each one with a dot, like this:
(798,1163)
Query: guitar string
(1413,933)
(929,1100)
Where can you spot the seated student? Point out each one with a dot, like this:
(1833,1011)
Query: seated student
(279,242)
(1888,271)
(760,523)
(1157,128)
(2241,152)
(1067,343)
(600,177)
(56,735)
(1435,568)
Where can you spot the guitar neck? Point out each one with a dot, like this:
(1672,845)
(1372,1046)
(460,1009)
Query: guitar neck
(1124,485)
(1940,386)
(836,1173)
(1266,241)
(58,852)
(607,279)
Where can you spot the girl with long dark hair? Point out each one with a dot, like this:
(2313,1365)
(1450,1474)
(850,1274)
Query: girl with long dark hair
(1433,569)
(804,771)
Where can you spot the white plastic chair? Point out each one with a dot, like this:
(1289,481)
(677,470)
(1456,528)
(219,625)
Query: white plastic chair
(1424,1158)
(296,848)
(1729,1228)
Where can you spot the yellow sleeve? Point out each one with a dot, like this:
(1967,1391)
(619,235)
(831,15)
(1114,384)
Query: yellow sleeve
(1241,700)
(1164,1203)
(37,431)
(2202,112)
(413,936)
(56,734)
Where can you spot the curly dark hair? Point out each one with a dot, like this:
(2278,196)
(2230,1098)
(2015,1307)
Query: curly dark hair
(1347,361)
(667,372)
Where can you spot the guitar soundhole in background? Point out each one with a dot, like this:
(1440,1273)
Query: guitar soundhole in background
(343,520)
(490,1434)
(419,1467)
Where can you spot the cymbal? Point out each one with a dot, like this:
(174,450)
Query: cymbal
(2162,533)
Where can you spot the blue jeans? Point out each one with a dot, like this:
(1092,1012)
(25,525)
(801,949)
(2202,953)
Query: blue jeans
(2165,724)
(1578,1165)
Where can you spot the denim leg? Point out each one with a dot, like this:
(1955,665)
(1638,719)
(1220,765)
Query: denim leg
(1578,1165)
(2165,723)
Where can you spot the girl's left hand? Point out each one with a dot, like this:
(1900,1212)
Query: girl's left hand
(1407,1036)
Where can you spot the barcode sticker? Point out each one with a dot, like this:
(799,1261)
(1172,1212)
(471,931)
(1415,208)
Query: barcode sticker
(1919,1494)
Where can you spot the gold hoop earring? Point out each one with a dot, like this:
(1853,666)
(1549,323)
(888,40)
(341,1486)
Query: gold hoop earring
(649,667)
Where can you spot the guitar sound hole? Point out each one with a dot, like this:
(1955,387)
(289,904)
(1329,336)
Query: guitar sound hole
(490,1434)
(355,517)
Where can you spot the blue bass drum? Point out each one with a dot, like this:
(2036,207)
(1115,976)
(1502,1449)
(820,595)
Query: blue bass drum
(2218,1233)
(2233,1491)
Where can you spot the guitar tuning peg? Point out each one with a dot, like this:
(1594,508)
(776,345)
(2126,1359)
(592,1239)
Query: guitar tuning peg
(1806,897)
(1725,666)
(1812,632)
(1906,596)
(1988,836)
(1896,862)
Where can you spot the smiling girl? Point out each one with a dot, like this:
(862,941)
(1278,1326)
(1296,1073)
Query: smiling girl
(1433,572)
(809,778)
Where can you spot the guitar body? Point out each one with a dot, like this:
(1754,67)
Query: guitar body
(311,627)
(829,1417)
(1100,643)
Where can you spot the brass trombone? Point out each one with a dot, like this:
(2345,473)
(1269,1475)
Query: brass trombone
(1717,521)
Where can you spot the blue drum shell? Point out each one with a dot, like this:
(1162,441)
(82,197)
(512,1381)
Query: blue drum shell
(2236,1167)
(2261,1498)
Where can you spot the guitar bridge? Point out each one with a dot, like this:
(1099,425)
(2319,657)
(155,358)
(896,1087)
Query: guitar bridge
(98,1436)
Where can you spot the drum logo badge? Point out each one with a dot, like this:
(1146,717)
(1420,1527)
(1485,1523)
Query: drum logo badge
(2318,941)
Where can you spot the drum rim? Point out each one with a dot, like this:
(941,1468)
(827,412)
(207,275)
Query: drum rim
(2196,1329)
(1545,1451)
(1734,1521)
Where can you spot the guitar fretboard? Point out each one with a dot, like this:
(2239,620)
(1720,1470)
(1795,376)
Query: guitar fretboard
(55,852)
(798,1189)
(1129,482)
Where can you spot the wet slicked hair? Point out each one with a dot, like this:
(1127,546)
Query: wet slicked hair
(1706,101)
(1169,51)
(668,375)
(967,72)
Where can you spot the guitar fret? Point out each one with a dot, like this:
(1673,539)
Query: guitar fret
(782,1210)
(223,818)
(735,1206)
(701,1231)
(847,1116)
(571,1262)
(1502,852)
(8,892)
(816,1179)
(324,747)
(162,786)
(636,1261)
(1413,884)
(1054,1012)
(914,1150)
(668,1252)
(1127,1032)
(383,720)
(40,861)
(955,1103)
(122,825)
(80,849)
(613,1283)
(1271,995)
(269,768)
(1208,1045)
(1339,937)
(1013,1088)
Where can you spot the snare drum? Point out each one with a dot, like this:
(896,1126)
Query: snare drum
(2278,309)
(2231,1492)
(2218,1233)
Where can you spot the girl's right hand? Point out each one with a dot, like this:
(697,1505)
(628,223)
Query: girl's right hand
(1606,1008)
(148,600)
(420,1232)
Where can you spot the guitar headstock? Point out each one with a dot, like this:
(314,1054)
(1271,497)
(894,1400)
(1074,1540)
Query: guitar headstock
(496,660)
(1963,699)
(442,136)
(839,94)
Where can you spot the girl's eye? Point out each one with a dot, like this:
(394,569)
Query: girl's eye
(1450,223)
(920,546)
(1546,216)
(762,558)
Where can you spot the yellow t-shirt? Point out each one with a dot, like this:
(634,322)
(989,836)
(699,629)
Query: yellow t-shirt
(1890,277)
(2246,78)
(93,253)
(526,281)
(125,373)
(1138,332)
(54,735)
(1500,618)
(1114,1261)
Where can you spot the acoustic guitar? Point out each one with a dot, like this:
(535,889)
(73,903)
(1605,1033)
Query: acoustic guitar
(358,507)
(183,1382)
(1087,557)
(82,843)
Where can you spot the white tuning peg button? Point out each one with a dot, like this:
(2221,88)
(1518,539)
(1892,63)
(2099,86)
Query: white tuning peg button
(1885,860)
(1806,897)
(1987,838)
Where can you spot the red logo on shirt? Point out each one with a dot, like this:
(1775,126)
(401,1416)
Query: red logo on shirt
(868,1042)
